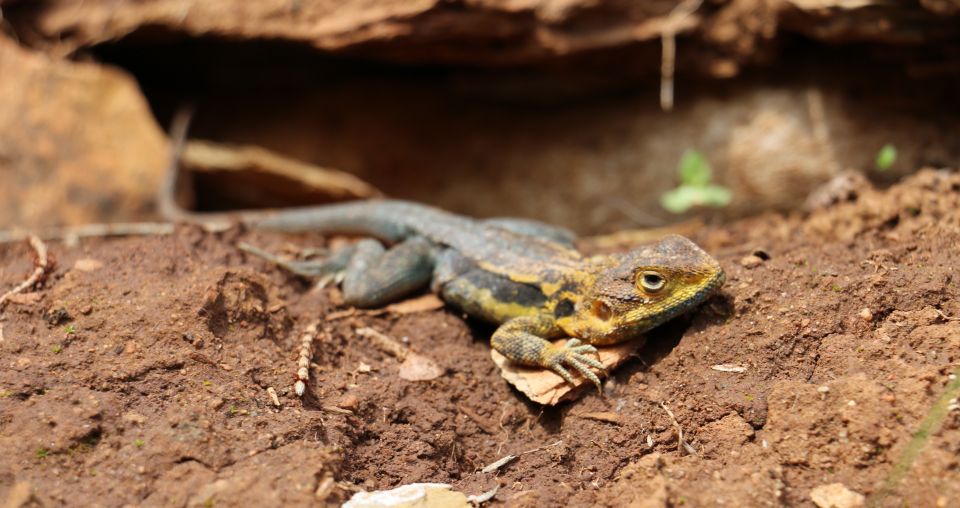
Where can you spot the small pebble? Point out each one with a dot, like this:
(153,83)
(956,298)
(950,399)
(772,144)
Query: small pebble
(751,261)
(866,314)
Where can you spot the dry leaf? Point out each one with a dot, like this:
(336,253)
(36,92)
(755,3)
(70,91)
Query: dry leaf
(546,387)
(423,303)
(417,367)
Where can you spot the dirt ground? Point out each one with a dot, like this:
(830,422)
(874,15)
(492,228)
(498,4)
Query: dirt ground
(138,375)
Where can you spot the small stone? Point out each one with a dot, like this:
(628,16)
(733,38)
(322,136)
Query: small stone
(836,495)
(866,314)
(751,261)
(348,401)
(87,265)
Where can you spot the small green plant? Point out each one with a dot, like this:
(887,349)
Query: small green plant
(139,443)
(70,329)
(207,382)
(886,157)
(695,188)
(42,453)
(56,348)
(233,411)
(5,393)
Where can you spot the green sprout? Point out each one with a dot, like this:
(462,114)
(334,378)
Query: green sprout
(695,188)
(70,329)
(42,453)
(886,157)
(56,348)
(139,443)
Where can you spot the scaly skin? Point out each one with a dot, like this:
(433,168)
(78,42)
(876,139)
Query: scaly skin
(523,275)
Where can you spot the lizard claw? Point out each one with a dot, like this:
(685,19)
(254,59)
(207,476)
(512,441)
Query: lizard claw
(334,278)
(574,354)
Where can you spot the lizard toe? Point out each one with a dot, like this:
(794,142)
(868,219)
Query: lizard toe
(562,372)
(584,370)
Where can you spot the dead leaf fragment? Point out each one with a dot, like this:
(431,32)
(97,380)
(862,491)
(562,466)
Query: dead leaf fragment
(423,303)
(417,367)
(546,387)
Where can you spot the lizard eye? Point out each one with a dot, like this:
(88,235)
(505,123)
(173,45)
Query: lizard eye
(652,281)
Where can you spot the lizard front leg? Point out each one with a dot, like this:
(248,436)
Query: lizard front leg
(523,340)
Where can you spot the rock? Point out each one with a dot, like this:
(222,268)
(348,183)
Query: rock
(87,265)
(751,261)
(414,495)
(836,495)
(82,134)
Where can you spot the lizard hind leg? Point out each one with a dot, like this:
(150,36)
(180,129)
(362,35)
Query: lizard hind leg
(375,276)
(523,340)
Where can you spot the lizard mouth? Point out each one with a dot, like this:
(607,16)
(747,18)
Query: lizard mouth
(691,301)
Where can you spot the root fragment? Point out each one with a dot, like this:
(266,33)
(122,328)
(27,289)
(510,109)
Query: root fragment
(41,266)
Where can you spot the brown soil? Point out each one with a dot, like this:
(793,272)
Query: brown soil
(144,381)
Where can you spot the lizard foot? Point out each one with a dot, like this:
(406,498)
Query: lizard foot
(573,354)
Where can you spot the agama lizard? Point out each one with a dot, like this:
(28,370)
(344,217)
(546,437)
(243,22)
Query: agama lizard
(523,275)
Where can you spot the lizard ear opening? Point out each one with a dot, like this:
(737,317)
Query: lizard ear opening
(600,309)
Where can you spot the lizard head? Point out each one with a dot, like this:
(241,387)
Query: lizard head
(644,288)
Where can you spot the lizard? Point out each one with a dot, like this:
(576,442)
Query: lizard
(522,275)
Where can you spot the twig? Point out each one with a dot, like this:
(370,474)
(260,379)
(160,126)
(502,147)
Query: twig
(681,444)
(72,233)
(493,466)
(668,55)
(303,360)
(821,129)
(41,265)
(384,342)
(478,500)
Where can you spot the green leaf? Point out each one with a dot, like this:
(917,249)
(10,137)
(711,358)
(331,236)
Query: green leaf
(886,157)
(678,200)
(715,195)
(685,197)
(694,169)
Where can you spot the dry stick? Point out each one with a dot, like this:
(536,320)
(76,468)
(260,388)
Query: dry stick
(42,264)
(303,361)
(668,55)
(821,129)
(72,233)
(681,444)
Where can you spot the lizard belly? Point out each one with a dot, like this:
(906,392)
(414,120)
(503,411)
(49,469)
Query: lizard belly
(491,297)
